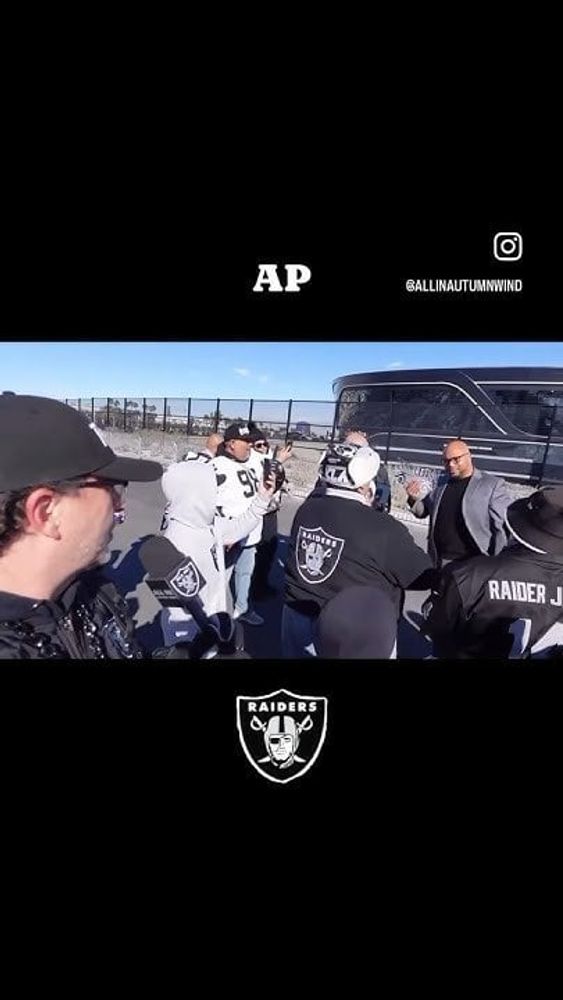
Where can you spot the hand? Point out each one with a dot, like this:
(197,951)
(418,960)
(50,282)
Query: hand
(413,488)
(283,452)
(268,487)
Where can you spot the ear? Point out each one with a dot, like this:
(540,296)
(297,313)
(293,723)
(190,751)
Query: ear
(42,514)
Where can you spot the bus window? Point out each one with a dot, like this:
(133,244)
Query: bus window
(437,408)
(528,408)
(366,408)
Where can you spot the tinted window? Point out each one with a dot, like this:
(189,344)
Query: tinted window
(439,409)
(366,409)
(528,408)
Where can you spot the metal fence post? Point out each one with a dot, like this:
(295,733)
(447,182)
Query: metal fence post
(547,445)
(250,410)
(124,413)
(390,428)
(93,417)
(217,415)
(164,416)
(290,404)
(189,414)
(144,424)
(335,420)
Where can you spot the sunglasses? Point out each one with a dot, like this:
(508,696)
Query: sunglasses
(119,489)
(260,444)
(456,459)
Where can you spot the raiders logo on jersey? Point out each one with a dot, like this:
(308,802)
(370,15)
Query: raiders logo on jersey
(317,554)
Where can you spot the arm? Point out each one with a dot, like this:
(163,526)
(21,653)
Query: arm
(231,529)
(407,563)
(445,617)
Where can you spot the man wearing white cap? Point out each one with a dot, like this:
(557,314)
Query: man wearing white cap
(339,540)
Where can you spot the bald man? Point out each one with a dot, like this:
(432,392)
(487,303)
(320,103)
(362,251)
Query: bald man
(466,509)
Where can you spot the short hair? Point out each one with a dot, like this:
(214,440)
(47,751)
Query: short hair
(12,508)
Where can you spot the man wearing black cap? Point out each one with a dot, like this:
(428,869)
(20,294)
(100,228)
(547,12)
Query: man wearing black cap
(62,492)
(509,605)
(237,485)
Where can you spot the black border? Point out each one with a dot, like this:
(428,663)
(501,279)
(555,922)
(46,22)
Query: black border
(419,733)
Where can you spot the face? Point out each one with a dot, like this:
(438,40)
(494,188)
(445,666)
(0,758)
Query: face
(261,447)
(281,746)
(86,520)
(356,437)
(457,460)
(238,449)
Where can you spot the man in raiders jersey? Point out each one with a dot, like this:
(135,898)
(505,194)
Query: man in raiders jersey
(509,605)
(238,480)
(339,540)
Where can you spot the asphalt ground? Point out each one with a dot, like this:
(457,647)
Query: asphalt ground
(145,503)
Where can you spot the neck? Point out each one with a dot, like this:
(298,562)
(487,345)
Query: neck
(26,576)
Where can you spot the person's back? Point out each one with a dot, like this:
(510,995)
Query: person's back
(510,604)
(197,531)
(333,546)
(339,540)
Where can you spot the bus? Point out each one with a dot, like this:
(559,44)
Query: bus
(511,418)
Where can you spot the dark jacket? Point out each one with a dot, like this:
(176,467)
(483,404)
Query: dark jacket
(337,541)
(483,508)
(89,620)
(505,606)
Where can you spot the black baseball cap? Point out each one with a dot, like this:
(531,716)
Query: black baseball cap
(238,432)
(43,441)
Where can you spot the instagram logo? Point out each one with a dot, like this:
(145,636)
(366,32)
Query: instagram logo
(507,246)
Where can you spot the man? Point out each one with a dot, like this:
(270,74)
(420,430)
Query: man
(197,531)
(382,498)
(466,510)
(237,484)
(509,605)
(339,540)
(266,548)
(62,491)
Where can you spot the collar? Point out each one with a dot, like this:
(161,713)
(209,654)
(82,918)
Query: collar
(332,491)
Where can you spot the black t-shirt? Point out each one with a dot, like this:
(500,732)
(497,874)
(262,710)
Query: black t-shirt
(337,542)
(451,537)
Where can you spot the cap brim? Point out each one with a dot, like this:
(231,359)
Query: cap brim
(135,470)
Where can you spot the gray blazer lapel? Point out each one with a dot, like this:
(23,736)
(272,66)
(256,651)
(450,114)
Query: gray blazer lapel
(436,504)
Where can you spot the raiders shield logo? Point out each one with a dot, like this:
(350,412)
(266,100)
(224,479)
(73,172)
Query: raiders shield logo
(187,580)
(317,554)
(282,733)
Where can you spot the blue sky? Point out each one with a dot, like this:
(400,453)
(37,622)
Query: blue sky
(236,370)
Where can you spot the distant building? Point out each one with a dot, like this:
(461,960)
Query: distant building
(303,428)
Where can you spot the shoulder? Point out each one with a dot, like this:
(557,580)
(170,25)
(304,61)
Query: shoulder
(488,481)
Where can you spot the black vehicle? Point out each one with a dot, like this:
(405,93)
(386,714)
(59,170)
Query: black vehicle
(512,418)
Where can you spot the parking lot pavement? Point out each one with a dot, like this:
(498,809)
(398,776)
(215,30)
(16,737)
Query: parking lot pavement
(144,512)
